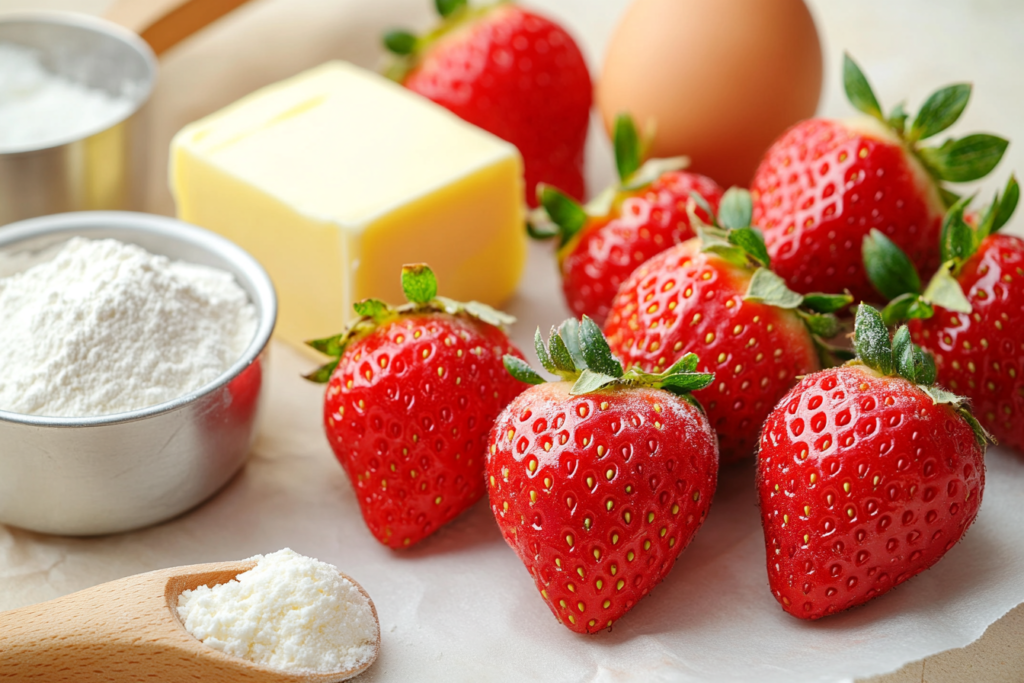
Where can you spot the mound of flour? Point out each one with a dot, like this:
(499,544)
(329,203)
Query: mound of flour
(39,108)
(106,327)
(289,612)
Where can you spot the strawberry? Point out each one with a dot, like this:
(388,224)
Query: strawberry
(600,480)
(715,296)
(970,314)
(642,215)
(825,184)
(511,72)
(867,475)
(411,396)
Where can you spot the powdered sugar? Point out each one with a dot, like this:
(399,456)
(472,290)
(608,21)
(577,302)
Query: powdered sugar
(106,327)
(289,612)
(39,108)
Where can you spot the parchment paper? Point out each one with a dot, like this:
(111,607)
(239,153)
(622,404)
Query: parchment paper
(460,606)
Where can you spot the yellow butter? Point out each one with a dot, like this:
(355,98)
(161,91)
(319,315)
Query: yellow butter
(336,177)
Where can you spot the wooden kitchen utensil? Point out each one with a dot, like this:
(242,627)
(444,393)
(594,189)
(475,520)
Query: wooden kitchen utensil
(129,630)
(164,23)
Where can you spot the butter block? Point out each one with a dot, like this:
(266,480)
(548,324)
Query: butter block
(336,177)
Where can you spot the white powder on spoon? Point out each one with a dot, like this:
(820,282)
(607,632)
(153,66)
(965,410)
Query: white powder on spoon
(289,612)
(106,327)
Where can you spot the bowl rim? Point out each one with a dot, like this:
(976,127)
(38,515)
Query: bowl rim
(264,296)
(97,25)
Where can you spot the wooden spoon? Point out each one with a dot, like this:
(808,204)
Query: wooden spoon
(129,630)
(165,23)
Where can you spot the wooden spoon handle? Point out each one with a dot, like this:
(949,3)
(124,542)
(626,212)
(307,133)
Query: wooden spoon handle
(120,631)
(165,23)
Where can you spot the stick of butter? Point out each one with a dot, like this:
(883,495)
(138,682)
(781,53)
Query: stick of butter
(336,177)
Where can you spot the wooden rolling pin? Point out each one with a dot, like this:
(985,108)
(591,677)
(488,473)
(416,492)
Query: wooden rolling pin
(129,630)
(165,23)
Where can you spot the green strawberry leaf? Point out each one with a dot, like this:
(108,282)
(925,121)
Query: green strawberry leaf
(591,381)
(559,353)
(940,111)
(898,119)
(687,382)
(687,363)
(596,350)
(487,314)
(563,210)
(331,346)
(906,307)
(418,283)
(374,309)
(825,325)
(703,204)
(871,340)
(715,241)
(1007,204)
(901,345)
(446,8)
(751,241)
(981,435)
(400,42)
(323,374)
(858,90)
(651,170)
(627,146)
(542,353)
(768,288)
(949,198)
(956,242)
(826,303)
(924,366)
(966,159)
(521,370)
(569,331)
(736,210)
(943,396)
(539,225)
(945,291)
(888,268)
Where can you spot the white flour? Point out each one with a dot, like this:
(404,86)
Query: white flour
(289,612)
(106,327)
(38,108)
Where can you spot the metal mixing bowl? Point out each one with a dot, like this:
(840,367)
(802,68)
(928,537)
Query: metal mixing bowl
(99,475)
(99,169)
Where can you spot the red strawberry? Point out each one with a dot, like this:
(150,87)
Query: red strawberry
(511,72)
(409,403)
(643,215)
(970,314)
(866,477)
(825,184)
(717,299)
(599,481)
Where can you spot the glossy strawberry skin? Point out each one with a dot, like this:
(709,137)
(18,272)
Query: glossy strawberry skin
(407,413)
(823,186)
(683,301)
(598,494)
(521,77)
(646,223)
(981,354)
(863,483)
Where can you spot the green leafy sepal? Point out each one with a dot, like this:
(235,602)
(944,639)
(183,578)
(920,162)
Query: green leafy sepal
(578,352)
(955,160)
(420,287)
(899,356)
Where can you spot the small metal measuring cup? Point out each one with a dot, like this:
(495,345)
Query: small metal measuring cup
(102,169)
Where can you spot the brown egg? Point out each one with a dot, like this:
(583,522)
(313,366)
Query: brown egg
(721,79)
